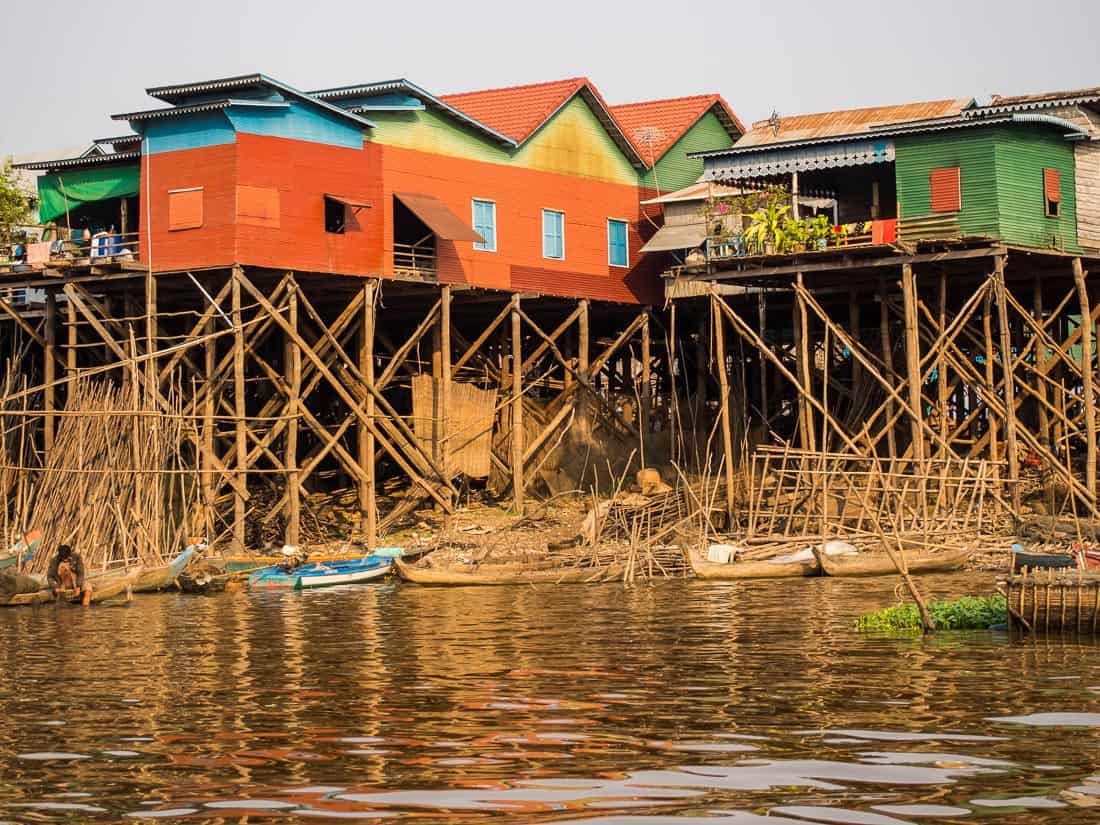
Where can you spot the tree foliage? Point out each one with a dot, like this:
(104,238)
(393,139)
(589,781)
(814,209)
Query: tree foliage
(14,209)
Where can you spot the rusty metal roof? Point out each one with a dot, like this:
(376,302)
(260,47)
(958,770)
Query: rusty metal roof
(1042,100)
(853,122)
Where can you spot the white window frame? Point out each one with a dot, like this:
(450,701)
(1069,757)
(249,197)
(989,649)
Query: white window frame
(625,223)
(542,231)
(473,220)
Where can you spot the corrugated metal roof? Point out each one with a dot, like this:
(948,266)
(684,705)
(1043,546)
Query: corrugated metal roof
(438,217)
(653,126)
(802,158)
(211,106)
(89,160)
(677,236)
(403,85)
(1042,100)
(182,91)
(696,192)
(117,141)
(849,122)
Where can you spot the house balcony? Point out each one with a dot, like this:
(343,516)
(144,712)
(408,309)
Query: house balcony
(416,261)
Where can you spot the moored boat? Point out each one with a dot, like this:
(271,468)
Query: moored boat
(1022,558)
(22,551)
(321,574)
(504,574)
(730,571)
(880,564)
(104,586)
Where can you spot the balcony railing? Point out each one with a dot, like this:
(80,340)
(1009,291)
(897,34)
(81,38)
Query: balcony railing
(857,234)
(42,248)
(415,261)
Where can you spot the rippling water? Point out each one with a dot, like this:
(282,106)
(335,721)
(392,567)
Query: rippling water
(687,702)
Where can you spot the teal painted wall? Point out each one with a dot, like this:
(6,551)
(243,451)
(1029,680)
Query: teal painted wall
(300,122)
(1002,181)
(675,169)
(187,132)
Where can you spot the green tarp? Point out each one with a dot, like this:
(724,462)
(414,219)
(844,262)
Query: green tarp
(68,190)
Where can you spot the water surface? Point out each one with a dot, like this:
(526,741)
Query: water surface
(683,703)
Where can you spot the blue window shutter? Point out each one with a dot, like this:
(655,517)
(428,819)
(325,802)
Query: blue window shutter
(553,234)
(617,253)
(485,224)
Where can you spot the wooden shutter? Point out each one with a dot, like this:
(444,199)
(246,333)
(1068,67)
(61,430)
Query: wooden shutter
(946,189)
(185,208)
(258,205)
(1052,185)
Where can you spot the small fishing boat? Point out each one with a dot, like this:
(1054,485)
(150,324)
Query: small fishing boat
(22,551)
(321,574)
(880,564)
(161,577)
(1022,558)
(502,574)
(104,586)
(704,569)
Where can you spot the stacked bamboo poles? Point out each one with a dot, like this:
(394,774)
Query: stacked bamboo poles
(16,450)
(114,485)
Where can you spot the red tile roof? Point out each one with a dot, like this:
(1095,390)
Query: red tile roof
(517,111)
(846,122)
(653,126)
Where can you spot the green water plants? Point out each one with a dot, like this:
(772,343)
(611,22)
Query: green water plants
(966,613)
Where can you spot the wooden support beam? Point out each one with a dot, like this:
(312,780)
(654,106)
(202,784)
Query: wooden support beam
(1088,394)
(583,423)
(1007,364)
(802,353)
(517,408)
(293,364)
(912,358)
(443,383)
(206,471)
(49,371)
(888,362)
(647,388)
(942,396)
(368,503)
(724,401)
(240,413)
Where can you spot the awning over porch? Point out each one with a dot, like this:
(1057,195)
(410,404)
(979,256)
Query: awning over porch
(438,217)
(676,236)
(60,192)
(733,165)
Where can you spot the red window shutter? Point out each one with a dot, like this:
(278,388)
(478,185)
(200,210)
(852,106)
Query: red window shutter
(946,189)
(1052,185)
(185,209)
(258,205)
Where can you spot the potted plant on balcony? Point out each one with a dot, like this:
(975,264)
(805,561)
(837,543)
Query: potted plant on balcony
(819,230)
(766,232)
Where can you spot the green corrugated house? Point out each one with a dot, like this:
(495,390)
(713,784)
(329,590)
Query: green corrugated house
(1024,171)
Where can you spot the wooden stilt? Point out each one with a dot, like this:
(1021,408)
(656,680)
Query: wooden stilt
(912,358)
(368,504)
(72,341)
(206,467)
(802,351)
(988,389)
(583,425)
(941,367)
(49,369)
(293,361)
(445,382)
(647,387)
(1007,361)
(762,322)
(724,401)
(517,408)
(854,322)
(1088,396)
(239,416)
(887,360)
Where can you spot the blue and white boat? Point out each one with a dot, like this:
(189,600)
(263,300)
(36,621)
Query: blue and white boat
(324,573)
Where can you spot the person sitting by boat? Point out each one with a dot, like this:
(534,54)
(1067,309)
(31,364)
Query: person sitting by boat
(293,558)
(67,573)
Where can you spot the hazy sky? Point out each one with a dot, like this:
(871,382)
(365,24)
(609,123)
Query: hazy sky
(68,65)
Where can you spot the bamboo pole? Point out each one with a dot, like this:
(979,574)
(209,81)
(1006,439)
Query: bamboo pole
(888,361)
(647,389)
(1009,382)
(240,412)
(724,401)
(293,359)
(1088,395)
(802,358)
(368,504)
(445,383)
(912,359)
(517,408)
(49,369)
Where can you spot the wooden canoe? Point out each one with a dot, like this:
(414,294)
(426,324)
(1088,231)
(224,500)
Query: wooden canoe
(106,586)
(704,569)
(880,564)
(510,574)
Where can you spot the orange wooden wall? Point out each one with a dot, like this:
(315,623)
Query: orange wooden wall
(303,172)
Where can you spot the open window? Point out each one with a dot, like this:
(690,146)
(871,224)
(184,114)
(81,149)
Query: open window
(341,214)
(1052,192)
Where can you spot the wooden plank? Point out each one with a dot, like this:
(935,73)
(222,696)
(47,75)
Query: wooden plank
(517,408)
